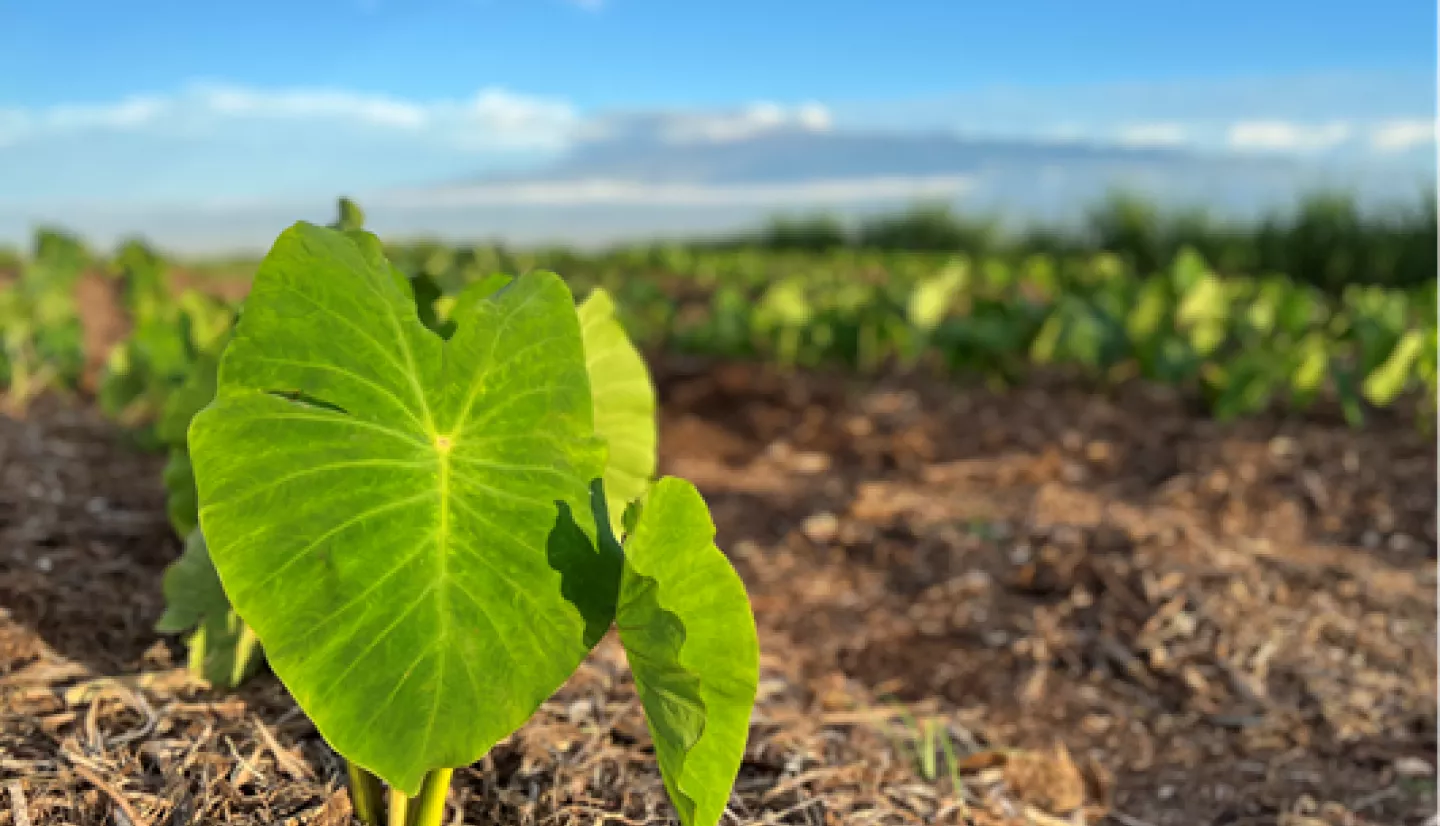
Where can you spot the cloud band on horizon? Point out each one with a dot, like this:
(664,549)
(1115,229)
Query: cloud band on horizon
(218,139)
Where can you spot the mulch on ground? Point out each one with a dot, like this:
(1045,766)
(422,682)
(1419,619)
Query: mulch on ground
(1114,607)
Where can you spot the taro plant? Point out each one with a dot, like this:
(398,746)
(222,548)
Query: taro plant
(420,531)
(221,647)
(41,344)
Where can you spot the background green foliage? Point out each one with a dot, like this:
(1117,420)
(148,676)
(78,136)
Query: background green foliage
(1322,303)
(1325,240)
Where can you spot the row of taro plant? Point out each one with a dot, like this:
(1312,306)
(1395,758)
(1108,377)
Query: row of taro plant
(41,341)
(153,380)
(1242,343)
(1324,239)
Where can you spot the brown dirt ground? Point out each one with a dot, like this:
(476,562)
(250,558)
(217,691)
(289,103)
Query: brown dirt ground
(1116,608)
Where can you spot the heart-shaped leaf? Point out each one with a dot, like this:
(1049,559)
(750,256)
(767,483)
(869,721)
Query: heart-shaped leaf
(688,632)
(406,522)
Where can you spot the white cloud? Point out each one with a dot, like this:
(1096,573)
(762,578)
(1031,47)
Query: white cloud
(1401,135)
(491,119)
(1279,135)
(1317,97)
(495,117)
(1153,135)
(223,140)
(814,116)
(756,119)
(126,114)
(378,110)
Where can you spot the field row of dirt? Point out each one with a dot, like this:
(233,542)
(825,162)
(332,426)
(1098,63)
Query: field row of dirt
(1113,607)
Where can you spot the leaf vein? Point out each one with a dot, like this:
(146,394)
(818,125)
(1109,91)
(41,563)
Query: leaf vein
(266,485)
(364,334)
(300,554)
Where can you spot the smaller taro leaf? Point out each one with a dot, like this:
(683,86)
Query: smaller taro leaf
(933,296)
(1387,381)
(207,321)
(624,404)
(192,588)
(189,398)
(399,517)
(669,692)
(222,648)
(686,626)
(123,381)
(181,502)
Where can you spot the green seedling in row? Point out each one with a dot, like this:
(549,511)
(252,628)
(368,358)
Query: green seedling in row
(419,532)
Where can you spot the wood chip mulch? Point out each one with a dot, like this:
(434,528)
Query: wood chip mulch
(1105,607)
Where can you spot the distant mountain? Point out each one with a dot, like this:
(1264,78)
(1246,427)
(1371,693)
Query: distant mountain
(841,171)
(793,155)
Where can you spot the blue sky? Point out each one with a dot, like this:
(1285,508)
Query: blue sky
(143,101)
(614,53)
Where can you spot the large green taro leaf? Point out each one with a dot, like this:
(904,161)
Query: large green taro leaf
(624,403)
(404,521)
(690,638)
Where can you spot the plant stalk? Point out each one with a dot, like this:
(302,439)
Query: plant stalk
(428,808)
(366,795)
(247,653)
(424,809)
(399,805)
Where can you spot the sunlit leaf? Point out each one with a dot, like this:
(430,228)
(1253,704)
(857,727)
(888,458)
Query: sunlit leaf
(686,626)
(1389,379)
(400,518)
(624,403)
